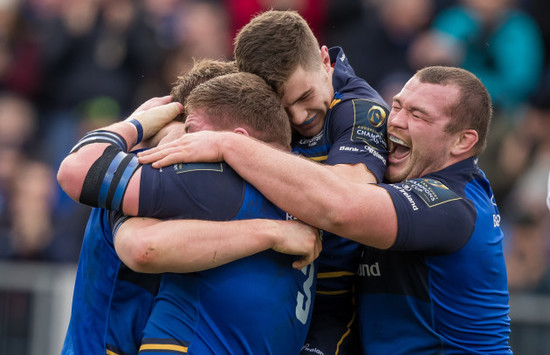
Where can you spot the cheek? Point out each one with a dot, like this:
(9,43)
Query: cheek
(424,141)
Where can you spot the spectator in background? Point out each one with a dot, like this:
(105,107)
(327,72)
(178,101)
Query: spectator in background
(201,30)
(503,46)
(17,126)
(527,254)
(29,229)
(91,49)
(32,232)
(495,40)
(20,52)
(31,211)
(392,25)
(314,11)
(18,121)
(525,160)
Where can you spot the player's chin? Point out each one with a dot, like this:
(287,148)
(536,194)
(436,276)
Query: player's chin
(396,172)
(310,129)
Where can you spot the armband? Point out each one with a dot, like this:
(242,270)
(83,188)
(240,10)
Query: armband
(139,129)
(108,178)
(101,136)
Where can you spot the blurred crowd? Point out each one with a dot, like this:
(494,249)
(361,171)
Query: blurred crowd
(67,67)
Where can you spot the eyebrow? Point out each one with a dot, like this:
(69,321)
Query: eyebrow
(304,95)
(411,108)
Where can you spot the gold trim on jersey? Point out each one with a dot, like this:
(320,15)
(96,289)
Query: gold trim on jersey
(331,293)
(171,347)
(328,275)
(321,158)
(345,334)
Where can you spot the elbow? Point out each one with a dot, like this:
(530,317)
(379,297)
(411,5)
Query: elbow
(140,255)
(68,177)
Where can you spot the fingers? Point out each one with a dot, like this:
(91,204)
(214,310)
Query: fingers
(165,112)
(162,156)
(155,101)
(301,263)
(167,161)
(313,253)
(155,118)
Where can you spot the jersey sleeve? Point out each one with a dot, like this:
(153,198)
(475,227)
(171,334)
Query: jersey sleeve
(430,216)
(210,191)
(358,130)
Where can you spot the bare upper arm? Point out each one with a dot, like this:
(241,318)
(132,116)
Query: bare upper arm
(366,214)
(74,168)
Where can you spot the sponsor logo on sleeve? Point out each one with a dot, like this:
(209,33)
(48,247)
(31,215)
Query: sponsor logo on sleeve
(368,120)
(432,192)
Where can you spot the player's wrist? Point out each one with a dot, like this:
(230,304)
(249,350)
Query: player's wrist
(231,146)
(269,231)
(148,123)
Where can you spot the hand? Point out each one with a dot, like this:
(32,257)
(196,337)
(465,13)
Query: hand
(156,113)
(166,134)
(154,102)
(192,147)
(298,238)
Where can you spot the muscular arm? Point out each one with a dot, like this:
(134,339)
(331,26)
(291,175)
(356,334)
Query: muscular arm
(353,173)
(311,192)
(152,246)
(153,115)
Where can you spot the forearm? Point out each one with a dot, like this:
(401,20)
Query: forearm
(311,192)
(153,246)
(314,193)
(123,136)
(280,177)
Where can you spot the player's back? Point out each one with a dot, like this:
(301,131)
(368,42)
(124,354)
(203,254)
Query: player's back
(258,304)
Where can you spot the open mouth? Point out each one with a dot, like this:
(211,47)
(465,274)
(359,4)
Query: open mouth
(399,150)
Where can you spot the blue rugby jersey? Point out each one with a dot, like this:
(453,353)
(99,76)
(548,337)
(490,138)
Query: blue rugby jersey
(255,305)
(355,131)
(111,303)
(442,288)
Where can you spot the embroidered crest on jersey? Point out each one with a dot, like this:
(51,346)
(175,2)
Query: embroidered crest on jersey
(432,192)
(368,120)
(185,168)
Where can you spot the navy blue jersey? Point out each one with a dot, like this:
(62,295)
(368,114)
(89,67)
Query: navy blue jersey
(442,287)
(107,295)
(354,132)
(255,305)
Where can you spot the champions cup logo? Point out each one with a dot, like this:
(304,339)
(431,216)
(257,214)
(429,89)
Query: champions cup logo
(377,116)
(436,183)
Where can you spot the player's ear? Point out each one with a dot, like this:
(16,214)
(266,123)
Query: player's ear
(465,141)
(241,130)
(325,57)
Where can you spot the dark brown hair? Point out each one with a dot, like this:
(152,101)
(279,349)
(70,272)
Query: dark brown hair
(273,44)
(242,100)
(202,70)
